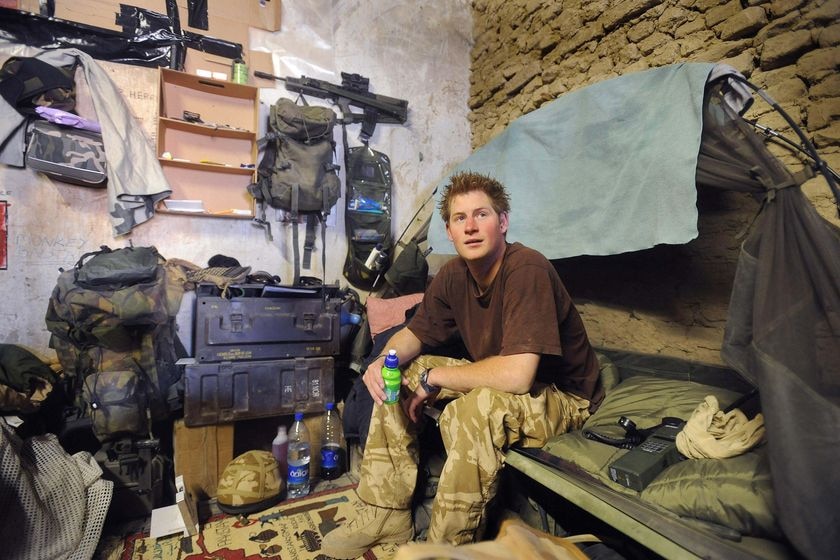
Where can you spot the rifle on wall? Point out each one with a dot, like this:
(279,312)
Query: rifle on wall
(354,90)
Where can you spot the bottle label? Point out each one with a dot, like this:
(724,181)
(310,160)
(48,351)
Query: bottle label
(298,474)
(392,394)
(329,458)
(393,382)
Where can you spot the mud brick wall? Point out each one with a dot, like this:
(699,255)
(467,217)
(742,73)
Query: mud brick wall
(670,299)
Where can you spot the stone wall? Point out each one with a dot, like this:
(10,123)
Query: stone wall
(670,299)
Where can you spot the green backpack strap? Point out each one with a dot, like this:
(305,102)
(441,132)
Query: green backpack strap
(295,241)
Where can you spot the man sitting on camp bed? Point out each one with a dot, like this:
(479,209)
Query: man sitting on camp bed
(534,375)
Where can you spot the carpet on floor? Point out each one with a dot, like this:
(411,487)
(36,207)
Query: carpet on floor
(292,530)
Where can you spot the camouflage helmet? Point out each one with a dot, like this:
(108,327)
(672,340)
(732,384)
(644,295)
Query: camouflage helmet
(249,483)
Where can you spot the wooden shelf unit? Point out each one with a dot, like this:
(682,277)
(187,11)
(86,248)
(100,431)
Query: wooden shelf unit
(212,159)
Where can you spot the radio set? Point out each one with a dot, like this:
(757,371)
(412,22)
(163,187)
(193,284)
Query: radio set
(651,451)
(639,466)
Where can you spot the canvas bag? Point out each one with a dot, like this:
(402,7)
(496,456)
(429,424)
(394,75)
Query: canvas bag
(367,216)
(67,154)
(102,301)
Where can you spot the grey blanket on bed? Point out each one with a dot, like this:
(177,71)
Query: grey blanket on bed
(603,170)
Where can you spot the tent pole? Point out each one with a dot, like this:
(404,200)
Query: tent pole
(808,146)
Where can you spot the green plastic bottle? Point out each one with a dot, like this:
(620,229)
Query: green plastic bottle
(392,376)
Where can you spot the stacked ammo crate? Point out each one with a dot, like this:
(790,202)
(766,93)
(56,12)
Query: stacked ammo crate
(261,351)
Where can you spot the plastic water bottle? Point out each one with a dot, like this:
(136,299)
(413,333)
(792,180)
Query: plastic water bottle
(392,376)
(332,456)
(297,484)
(280,449)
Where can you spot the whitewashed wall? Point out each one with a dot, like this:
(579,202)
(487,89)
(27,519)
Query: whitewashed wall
(415,50)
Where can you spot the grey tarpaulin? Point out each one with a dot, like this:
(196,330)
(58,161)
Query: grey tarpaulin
(135,178)
(602,170)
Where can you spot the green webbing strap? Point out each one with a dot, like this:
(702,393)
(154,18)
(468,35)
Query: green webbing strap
(309,241)
(323,250)
(295,241)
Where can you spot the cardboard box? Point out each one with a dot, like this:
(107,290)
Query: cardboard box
(31,6)
(199,63)
(263,61)
(220,27)
(201,454)
(203,64)
(97,13)
(227,20)
(265,14)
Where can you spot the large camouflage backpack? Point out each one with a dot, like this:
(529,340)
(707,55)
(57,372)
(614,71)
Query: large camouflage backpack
(112,319)
(297,173)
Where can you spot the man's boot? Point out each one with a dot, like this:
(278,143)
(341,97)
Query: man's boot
(372,525)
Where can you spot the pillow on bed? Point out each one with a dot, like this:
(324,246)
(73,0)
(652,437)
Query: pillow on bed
(734,492)
(382,314)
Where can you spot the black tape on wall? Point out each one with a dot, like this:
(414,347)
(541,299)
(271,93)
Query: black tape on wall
(197,10)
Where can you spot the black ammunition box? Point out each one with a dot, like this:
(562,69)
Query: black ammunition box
(265,323)
(230,391)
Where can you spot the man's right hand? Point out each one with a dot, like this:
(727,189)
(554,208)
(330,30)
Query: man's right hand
(373,380)
(407,346)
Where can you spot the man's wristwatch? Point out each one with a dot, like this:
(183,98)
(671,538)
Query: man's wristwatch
(424,382)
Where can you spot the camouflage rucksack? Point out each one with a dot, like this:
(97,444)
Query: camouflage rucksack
(104,301)
(112,320)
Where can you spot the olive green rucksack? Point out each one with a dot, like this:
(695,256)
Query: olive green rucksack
(297,173)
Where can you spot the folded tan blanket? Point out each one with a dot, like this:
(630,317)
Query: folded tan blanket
(711,433)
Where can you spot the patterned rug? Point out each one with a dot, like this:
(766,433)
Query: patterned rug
(290,531)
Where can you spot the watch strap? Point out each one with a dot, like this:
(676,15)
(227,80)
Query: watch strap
(424,382)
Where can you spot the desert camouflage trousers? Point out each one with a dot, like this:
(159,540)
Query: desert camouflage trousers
(477,428)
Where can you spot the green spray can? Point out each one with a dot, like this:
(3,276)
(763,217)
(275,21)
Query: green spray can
(239,72)
(392,376)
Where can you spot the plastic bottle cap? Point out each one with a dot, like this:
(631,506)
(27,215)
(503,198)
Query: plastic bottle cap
(298,415)
(330,405)
(391,359)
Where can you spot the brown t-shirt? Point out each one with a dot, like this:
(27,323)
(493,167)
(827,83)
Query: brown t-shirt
(525,309)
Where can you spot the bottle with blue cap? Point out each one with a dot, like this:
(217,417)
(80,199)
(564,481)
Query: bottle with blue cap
(332,455)
(392,376)
(297,484)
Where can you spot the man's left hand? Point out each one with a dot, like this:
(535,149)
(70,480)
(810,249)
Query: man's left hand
(414,402)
